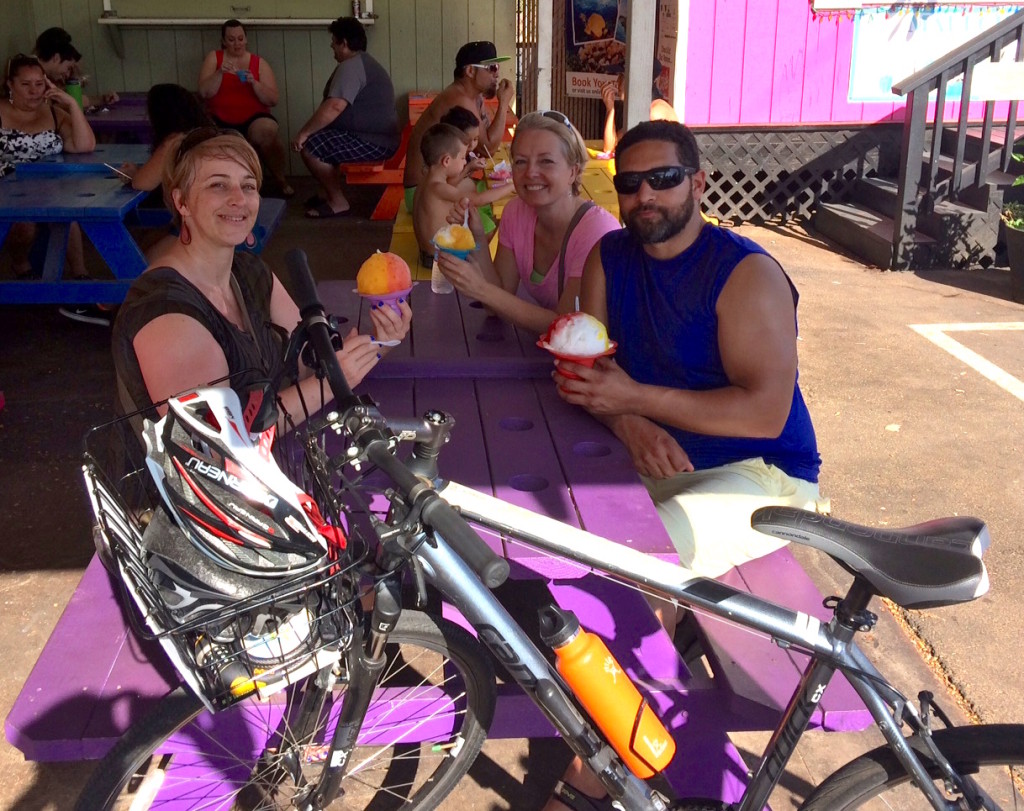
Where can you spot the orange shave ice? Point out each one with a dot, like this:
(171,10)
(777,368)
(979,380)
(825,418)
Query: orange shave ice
(383,273)
(455,237)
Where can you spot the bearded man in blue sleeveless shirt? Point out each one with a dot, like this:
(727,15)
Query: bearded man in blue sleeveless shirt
(703,389)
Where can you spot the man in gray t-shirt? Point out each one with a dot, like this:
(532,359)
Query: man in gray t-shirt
(355,122)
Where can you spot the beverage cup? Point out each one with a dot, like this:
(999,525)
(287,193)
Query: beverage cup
(241,76)
(74,89)
(588,362)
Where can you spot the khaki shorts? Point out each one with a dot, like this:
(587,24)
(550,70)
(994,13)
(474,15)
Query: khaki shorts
(707,513)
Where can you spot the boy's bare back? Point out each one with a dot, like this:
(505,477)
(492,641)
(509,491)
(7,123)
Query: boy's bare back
(433,200)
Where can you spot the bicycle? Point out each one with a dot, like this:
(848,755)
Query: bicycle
(363,702)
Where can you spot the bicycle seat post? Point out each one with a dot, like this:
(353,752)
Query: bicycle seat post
(851,612)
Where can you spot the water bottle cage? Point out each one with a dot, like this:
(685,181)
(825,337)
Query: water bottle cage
(636,731)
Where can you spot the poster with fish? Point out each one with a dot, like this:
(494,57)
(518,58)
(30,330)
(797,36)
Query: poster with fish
(595,44)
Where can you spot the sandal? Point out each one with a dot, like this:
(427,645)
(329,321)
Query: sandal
(573,798)
(325,212)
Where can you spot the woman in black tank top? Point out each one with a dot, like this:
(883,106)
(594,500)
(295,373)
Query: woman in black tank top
(201,312)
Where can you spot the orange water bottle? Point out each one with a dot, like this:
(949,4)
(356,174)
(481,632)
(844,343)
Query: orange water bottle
(607,693)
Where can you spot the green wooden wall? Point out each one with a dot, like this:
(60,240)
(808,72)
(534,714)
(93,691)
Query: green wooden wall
(16,32)
(416,40)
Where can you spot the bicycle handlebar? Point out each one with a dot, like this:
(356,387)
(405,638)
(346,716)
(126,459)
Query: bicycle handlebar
(435,511)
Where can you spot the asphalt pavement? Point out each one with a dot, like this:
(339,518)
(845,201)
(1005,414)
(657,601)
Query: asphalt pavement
(910,425)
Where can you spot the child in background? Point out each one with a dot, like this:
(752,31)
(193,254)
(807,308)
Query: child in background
(469,125)
(444,148)
(466,121)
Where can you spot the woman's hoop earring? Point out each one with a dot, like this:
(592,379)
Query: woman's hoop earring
(185,235)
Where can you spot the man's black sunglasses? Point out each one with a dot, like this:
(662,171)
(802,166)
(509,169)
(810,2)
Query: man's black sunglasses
(659,179)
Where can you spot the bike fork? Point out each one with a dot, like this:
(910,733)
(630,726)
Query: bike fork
(366,661)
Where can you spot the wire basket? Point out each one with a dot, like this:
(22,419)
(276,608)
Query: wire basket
(231,636)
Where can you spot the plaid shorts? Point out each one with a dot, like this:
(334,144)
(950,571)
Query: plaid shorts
(338,146)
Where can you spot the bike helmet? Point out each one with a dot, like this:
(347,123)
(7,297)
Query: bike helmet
(229,499)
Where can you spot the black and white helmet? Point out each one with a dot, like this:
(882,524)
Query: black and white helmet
(227,495)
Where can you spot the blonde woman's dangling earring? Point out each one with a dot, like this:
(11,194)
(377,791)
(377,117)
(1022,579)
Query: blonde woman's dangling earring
(185,235)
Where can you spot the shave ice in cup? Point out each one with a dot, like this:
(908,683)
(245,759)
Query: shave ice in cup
(384,277)
(457,240)
(577,337)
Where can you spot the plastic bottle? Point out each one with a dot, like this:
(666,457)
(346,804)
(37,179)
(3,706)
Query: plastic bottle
(607,693)
(438,281)
(73,87)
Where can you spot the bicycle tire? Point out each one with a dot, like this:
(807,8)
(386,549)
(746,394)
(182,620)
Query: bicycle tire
(877,779)
(421,652)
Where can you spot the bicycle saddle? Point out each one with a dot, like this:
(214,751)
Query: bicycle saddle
(927,565)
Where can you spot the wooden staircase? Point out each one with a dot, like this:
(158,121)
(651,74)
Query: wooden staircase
(942,207)
(948,234)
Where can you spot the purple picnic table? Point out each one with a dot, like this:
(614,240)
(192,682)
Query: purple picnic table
(123,121)
(452,336)
(516,439)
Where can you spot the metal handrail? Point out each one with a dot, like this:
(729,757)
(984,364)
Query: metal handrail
(920,187)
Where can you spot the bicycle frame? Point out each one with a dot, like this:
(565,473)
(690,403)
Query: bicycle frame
(831,646)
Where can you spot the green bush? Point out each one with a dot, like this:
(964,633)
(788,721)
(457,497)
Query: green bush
(1013,213)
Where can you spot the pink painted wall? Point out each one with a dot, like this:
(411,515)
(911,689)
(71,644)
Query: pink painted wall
(753,62)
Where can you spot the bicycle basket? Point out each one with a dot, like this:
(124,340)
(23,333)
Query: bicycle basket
(229,632)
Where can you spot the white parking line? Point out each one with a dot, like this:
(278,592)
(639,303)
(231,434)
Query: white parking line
(936,333)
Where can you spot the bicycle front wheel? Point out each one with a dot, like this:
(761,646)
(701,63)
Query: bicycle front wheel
(425,726)
(992,754)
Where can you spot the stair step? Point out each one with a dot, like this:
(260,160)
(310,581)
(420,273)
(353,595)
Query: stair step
(865,232)
(998,133)
(973,144)
(882,195)
(995,177)
(878,193)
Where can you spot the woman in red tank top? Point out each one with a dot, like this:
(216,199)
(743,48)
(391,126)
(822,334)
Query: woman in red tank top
(239,89)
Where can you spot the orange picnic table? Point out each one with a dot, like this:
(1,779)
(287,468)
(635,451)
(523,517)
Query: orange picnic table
(390,172)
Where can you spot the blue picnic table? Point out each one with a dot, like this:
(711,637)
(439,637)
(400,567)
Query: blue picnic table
(99,204)
(518,440)
(98,161)
(82,188)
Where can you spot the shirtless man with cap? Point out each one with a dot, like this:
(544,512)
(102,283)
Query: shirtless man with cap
(476,79)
